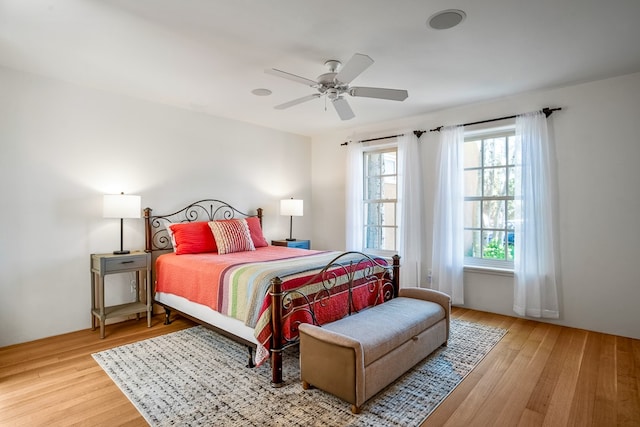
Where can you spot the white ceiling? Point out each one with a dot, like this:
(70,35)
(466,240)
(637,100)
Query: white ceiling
(208,55)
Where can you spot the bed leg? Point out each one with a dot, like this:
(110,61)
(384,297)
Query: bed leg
(276,332)
(167,316)
(250,364)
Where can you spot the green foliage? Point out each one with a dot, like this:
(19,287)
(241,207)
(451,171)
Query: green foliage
(495,250)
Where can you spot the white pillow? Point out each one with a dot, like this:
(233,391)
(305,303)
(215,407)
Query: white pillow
(166,223)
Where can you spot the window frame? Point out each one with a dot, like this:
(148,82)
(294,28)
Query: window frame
(478,263)
(366,201)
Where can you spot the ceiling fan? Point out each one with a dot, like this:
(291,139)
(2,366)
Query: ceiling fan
(335,84)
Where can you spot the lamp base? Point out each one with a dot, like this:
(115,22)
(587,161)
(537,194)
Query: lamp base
(290,239)
(121,252)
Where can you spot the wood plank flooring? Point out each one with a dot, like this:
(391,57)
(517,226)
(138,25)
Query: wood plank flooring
(538,375)
(546,375)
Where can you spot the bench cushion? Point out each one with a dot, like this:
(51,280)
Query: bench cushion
(408,317)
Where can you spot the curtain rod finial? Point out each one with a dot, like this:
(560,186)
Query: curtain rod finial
(549,111)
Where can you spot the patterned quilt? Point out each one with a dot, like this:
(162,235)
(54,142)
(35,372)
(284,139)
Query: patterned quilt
(238,284)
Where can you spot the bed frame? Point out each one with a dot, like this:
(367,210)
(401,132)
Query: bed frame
(157,242)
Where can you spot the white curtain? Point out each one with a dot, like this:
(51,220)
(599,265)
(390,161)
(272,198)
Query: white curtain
(409,208)
(353,203)
(535,292)
(448,238)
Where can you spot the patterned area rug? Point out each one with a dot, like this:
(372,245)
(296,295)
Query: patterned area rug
(196,377)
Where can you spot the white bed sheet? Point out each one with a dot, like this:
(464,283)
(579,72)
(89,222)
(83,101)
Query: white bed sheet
(208,315)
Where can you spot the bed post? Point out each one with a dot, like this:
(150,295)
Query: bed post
(260,216)
(147,229)
(276,332)
(396,275)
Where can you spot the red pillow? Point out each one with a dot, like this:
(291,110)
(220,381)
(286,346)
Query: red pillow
(193,237)
(256,232)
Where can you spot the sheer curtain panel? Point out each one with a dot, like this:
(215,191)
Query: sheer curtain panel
(448,238)
(409,209)
(535,292)
(355,215)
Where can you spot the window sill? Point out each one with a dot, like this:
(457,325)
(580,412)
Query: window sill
(488,270)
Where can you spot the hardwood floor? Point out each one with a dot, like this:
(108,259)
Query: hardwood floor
(546,375)
(56,382)
(538,375)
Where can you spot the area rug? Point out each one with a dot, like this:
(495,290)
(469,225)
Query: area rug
(196,377)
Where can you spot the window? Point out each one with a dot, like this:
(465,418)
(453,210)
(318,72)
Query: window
(380,199)
(491,161)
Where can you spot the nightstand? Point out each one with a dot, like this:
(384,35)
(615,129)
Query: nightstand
(103,264)
(302,244)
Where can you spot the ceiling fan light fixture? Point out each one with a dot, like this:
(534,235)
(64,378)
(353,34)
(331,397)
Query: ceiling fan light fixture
(446,19)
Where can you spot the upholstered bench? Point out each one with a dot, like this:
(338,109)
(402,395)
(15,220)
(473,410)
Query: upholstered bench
(355,357)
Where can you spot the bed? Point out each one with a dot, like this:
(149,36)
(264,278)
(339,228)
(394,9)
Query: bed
(211,263)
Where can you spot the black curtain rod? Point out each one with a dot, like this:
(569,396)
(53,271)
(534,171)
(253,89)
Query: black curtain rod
(417,133)
(546,110)
(375,139)
(381,138)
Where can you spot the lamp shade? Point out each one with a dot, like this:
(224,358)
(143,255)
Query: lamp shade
(291,207)
(122,206)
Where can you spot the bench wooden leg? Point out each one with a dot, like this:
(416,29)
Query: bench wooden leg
(306,385)
(355,409)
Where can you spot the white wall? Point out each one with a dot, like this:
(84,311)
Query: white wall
(598,155)
(62,147)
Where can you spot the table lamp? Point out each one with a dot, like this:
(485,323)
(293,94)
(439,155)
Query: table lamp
(121,206)
(291,207)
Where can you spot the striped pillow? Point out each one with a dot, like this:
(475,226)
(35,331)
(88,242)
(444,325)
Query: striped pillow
(232,235)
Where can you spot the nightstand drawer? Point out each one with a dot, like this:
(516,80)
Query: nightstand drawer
(117,264)
(120,263)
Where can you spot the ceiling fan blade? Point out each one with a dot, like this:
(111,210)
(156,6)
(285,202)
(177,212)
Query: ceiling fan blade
(297,101)
(290,76)
(378,92)
(353,68)
(343,109)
